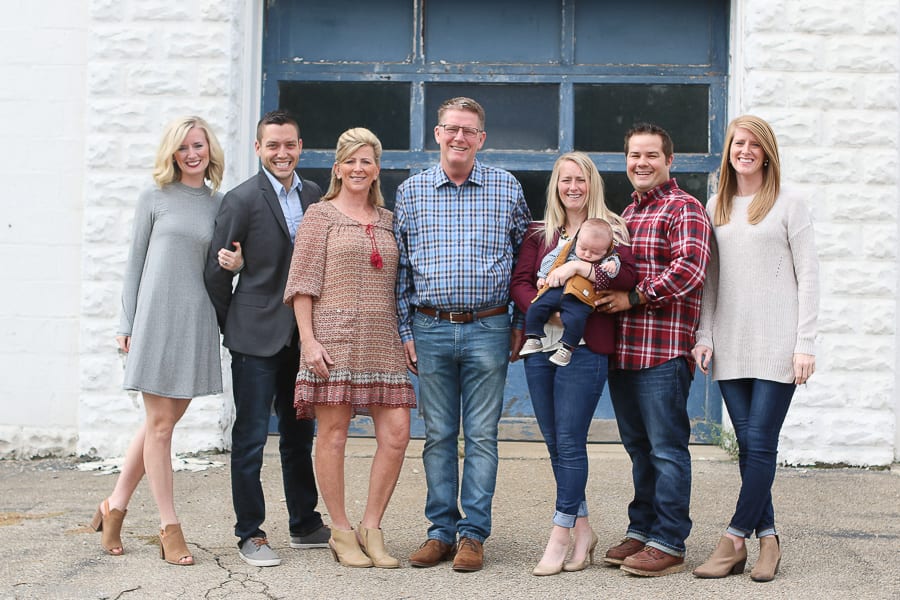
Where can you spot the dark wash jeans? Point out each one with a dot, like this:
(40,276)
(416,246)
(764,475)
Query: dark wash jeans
(564,400)
(651,412)
(258,381)
(757,408)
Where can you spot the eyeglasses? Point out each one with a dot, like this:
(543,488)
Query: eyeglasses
(452,130)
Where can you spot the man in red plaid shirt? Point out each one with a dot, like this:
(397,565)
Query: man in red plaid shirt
(651,376)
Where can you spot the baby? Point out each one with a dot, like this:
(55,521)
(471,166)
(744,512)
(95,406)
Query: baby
(575,300)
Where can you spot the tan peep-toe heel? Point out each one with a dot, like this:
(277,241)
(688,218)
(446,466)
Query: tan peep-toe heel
(109,524)
(172,547)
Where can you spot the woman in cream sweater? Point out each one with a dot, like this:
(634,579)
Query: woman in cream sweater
(758,317)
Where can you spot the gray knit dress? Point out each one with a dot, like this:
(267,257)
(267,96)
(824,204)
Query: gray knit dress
(165,308)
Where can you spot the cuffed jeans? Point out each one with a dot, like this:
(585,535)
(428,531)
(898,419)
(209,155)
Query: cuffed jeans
(258,381)
(651,412)
(572,311)
(564,401)
(757,408)
(462,374)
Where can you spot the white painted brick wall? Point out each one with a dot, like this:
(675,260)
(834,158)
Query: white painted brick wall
(117,71)
(827,79)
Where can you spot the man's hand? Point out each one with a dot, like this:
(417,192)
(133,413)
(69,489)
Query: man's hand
(412,360)
(612,301)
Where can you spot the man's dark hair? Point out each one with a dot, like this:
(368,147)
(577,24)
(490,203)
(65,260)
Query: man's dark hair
(276,117)
(652,129)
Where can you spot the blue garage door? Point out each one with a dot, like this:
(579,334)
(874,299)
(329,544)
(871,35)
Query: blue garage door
(553,75)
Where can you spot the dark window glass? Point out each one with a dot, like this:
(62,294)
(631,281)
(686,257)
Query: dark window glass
(617,188)
(534,186)
(466,31)
(306,31)
(603,113)
(325,110)
(605,32)
(390,181)
(521,117)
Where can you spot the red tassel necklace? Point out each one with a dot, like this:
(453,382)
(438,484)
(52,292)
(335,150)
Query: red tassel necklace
(375,256)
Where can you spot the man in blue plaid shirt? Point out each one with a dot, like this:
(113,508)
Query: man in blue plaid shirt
(458,225)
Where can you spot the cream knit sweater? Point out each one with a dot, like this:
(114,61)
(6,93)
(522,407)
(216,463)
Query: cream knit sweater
(761,295)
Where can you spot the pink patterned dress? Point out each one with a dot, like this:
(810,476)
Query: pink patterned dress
(354,311)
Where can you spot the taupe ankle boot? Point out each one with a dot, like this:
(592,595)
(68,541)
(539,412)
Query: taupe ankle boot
(372,543)
(766,566)
(345,549)
(724,561)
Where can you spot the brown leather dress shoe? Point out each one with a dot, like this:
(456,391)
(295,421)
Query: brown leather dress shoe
(469,555)
(431,553)
(652,562)
(617,554)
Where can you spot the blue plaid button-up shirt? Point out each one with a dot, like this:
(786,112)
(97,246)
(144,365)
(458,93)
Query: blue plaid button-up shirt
(457,244)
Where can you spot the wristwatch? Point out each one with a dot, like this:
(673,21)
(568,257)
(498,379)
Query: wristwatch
(633,297)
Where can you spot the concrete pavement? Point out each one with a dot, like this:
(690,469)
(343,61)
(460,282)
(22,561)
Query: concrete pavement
(840,532)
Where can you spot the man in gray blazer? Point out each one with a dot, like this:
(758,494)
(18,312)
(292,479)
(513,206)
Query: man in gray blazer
(262,215)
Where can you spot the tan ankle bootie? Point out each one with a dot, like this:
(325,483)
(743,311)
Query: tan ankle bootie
(724,561)
(766,566)
(345,549)
(371,541)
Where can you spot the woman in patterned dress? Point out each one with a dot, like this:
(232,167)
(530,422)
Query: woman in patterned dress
(341,286)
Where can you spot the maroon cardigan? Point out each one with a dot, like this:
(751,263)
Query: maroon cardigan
(600,331)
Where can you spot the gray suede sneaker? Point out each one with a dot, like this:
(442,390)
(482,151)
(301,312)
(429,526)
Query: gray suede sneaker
(314,539)
(258,553)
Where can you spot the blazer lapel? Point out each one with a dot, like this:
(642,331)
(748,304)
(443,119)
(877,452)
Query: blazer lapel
(272,201)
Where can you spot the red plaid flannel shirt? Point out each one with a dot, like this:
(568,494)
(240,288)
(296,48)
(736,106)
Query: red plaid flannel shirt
(670,237)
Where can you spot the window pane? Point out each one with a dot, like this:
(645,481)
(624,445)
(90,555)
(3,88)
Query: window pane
(521,117)
(534,185)
(603,113)
(466,31)
(390,181)
(310,31)
(617,188)
(602,38)
(325,110)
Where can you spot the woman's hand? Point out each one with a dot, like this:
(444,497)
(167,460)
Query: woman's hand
(231,261)
(804,367)
(316,357)
(561,274)
(703,355)
(124,342)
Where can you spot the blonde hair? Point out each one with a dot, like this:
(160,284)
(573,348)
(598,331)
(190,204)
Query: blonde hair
(349,142)
(764,199)
(594,203)
(166,170)
(461,103)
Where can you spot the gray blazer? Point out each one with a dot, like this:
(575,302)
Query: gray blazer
(253,317)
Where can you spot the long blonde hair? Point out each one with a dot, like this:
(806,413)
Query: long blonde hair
(166,170)
(349,142)
(555,212)
(765,197)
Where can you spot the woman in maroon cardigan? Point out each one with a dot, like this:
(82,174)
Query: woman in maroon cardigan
(564,399)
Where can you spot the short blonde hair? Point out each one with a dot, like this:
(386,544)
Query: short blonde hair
(350,141)
(165,169)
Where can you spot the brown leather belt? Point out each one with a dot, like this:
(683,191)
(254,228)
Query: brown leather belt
(461,316)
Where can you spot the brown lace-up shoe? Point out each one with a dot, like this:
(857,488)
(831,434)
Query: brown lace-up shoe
(652,562)
(431,553)
(617,554)
(469,555)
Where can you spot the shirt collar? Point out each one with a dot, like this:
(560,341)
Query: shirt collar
(657,193)
(279,188)
(476,176)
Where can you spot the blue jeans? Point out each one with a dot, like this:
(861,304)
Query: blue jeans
(258,380)
(651,412)
(757,408)
(572,311)
(564,401)
(462,373)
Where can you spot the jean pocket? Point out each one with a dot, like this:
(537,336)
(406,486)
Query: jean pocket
(498,323)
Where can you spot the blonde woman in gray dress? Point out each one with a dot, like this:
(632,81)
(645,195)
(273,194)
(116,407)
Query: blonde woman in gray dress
(168,327)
